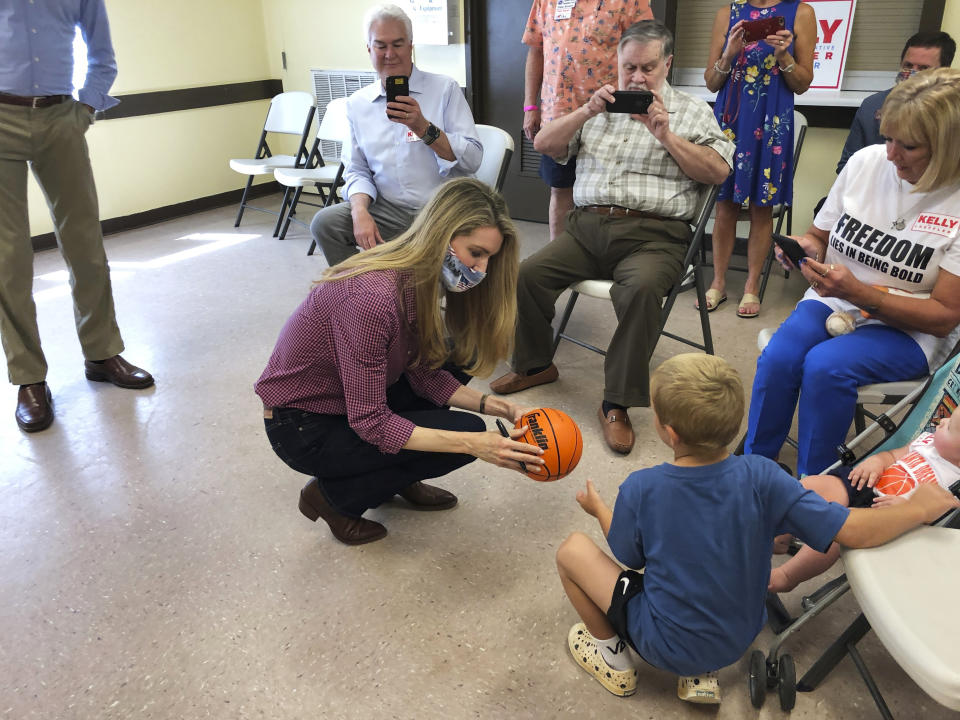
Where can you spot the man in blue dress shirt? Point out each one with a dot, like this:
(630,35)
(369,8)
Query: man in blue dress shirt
(42,126)
(398,153)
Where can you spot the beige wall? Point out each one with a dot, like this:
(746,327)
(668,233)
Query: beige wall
(147,162)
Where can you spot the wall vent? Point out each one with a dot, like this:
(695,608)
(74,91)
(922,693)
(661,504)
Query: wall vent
(331,84)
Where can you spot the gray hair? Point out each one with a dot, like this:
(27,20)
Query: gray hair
(386,11)
(647,31)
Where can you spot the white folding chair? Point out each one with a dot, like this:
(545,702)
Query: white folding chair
(601,288)
(497,151)
(290,113)
(319,171)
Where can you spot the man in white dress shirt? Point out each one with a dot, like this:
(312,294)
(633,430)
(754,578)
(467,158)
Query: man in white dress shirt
(399,152)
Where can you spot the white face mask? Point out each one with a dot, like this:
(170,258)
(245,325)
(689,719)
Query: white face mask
(457,277)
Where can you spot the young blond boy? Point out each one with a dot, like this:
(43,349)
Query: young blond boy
(702,527)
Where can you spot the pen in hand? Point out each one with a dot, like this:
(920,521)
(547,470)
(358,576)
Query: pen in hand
(503,431)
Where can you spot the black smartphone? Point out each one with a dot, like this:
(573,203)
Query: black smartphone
(791,248)
(397,85)
(635,102)
(754,30)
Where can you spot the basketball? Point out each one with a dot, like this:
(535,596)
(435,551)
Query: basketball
(894,481)
(558,436)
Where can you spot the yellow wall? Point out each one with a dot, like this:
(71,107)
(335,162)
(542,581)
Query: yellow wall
(951,24)
(147,162)
(335,41)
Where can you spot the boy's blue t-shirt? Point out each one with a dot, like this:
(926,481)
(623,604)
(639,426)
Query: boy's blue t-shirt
(705,536)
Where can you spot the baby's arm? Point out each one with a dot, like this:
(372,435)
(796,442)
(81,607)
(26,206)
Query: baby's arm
(593,504)
(869,527)
(869,471)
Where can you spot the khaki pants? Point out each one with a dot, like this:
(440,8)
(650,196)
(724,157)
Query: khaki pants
(52,141)
(643,257)
(332,227)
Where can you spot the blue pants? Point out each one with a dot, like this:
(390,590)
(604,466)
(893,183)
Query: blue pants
(802,360)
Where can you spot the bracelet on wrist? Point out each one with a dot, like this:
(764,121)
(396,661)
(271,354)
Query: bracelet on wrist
(716,66)
(528,108)
(483,402)
(788,69)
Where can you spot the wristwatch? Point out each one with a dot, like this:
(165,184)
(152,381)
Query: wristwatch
(431,135)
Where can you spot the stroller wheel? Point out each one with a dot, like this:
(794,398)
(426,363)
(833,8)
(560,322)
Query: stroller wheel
(787,683)
(758,678)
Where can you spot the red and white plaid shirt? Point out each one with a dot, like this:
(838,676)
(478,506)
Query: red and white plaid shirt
(341,350)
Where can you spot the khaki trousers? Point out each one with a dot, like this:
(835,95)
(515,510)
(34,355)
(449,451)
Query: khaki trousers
(51,140)
(643,257)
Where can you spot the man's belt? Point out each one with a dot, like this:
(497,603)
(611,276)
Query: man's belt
(41,101)
(619,211)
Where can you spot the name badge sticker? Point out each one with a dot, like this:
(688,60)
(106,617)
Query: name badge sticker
(564,9)
(412,136)
(943,225)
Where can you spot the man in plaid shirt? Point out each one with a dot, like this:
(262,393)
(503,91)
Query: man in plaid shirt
(637,186)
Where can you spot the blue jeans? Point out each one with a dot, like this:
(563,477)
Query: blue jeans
(803,361)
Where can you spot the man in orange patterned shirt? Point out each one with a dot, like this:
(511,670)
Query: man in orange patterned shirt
(573,51)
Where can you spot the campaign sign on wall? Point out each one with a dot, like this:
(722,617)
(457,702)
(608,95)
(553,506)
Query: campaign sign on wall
(834,21)
(429,21)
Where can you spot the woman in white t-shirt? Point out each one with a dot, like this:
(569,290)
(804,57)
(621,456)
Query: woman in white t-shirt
(891,222)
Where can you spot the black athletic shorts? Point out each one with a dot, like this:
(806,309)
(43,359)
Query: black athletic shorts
(629,584)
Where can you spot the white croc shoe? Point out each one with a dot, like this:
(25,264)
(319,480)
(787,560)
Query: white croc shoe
(585,651)
(703,689)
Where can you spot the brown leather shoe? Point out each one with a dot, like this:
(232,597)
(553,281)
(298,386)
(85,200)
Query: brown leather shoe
(34,407)
(514,382)
(346,529)
(617,430)
(428,497)
(118,371)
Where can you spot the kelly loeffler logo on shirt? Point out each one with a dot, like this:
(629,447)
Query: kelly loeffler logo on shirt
(944,225)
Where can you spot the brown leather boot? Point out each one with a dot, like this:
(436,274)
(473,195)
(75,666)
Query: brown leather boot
(428,497)
(346,529)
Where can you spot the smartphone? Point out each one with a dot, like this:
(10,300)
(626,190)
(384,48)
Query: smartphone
(791,248)
(397,85)
(754,30)
(635,102)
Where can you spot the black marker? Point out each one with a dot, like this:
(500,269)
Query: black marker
(503,431)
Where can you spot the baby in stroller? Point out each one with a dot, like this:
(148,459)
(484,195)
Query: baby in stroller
(886,477)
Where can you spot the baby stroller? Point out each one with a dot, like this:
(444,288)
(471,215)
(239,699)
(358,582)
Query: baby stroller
(931,402)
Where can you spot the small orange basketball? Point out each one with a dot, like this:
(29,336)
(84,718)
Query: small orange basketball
(894,481)
(558,435)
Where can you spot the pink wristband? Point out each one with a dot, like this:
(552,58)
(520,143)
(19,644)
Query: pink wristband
(528,108)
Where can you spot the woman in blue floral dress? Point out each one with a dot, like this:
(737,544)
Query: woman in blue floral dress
(756,84)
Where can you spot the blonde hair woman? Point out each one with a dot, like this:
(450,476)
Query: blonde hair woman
(883,250)
(355,393)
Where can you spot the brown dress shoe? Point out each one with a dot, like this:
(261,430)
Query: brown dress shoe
(346,529)
(617,430)
(428,497)
(118,371)
(34,407)
(515,382)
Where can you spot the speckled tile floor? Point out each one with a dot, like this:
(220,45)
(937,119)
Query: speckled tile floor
(155,565)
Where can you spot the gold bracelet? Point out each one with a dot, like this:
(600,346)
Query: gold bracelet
(483,402)
(716,66)
(788,69)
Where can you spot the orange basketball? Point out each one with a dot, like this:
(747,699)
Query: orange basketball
(558,435)
(894,481)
